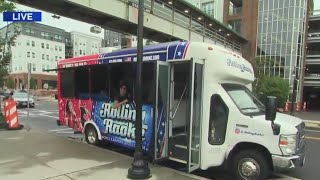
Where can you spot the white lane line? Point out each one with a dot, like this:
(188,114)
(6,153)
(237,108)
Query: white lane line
(54,117)
(65,132)
(285,177)
(54,130)
(310,130)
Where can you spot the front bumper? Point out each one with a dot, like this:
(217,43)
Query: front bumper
(283,163)
(25,104)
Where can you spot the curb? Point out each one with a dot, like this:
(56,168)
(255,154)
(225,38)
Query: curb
(312,121)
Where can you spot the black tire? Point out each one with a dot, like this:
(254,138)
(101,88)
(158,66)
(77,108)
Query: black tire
(254,159)
(91,135)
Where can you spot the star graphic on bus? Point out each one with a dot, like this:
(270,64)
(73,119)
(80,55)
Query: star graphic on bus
(179,53)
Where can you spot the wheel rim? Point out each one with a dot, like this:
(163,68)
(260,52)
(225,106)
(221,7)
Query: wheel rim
(92,136)
(249,168)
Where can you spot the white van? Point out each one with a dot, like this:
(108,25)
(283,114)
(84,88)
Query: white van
(200,111)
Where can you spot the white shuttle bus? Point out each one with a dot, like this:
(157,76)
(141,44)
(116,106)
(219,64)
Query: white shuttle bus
(198,108)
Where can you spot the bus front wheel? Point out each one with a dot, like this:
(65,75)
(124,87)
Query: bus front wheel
(250,164)
(91,135)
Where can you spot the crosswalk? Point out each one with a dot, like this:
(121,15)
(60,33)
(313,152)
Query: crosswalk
(38,113)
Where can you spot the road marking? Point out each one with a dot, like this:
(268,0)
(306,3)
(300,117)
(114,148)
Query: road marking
(285,176)
(54,117)
(311,121)
(53,130)
(313,138)
(65,132)
(310,130)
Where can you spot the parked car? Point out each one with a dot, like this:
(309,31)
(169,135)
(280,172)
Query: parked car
(21,99)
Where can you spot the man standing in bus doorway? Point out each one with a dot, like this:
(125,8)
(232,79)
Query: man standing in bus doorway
(83,113)
(123,97)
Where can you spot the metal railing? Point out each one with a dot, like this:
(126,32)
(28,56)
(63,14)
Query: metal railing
(182,19)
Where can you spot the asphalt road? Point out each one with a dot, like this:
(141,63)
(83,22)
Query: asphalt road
(45,114)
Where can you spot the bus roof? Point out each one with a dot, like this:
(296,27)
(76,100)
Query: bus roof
(157,52)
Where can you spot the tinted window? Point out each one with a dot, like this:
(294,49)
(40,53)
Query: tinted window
(218,120)
(67,80)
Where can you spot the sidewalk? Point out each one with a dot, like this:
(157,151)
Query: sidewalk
(39,155)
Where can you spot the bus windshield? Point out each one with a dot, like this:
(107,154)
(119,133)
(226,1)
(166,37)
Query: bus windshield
(246,102)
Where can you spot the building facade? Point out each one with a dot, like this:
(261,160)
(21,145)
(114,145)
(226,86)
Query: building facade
(41,46)
(311,90)
(281,37)
(213,8)
(83,44)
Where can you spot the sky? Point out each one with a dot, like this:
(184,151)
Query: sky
(63,23)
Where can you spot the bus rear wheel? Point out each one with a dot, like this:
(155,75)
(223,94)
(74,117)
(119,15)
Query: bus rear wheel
(250,165)
(91,135)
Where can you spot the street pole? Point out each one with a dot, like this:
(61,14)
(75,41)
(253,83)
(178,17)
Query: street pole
(293,91)
(139,169)
(28,89)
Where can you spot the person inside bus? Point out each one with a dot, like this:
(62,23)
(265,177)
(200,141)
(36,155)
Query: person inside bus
(123,97)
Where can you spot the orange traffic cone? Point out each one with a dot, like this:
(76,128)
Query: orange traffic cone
(13,122)
(304,106)
(286,108)
(298,106)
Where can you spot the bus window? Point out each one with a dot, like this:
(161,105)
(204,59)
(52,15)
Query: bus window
(218,120)
(66,81)
(100,90)
(81,77)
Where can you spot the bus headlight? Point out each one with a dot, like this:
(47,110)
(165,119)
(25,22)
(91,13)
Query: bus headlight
(287,144)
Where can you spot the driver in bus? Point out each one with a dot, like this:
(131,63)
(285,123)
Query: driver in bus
(123,97)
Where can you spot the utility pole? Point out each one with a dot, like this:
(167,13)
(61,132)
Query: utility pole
(28,89)
(139,169)
(293,97)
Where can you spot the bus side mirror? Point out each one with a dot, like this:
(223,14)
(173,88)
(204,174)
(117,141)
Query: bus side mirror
(271,108)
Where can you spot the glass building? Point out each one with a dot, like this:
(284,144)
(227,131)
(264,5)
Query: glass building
(281,37)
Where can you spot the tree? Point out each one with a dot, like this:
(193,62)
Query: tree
(33,83)
(10,83)
(273,86)
(7,41)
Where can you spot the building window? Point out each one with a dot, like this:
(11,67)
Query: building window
(80,52)
(28,43)
(47,35)
(47,45)
(28,54)
(56,47)
(60,48)
(43,67)
(47,57)
(93,45)
(42,45)
(75,53)
(208,8)
(56,37)
(56,58)
(60,57)
(84,52)
(33,43)
(33,55)
(42,34)
(34,67)
(42,56)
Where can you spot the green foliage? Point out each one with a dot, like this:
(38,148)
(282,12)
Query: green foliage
(33,83)
(10,83)
(266,85)
(7,41)
(273,86)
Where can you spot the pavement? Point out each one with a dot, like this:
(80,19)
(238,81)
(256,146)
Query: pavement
(48,151)
(40,155)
